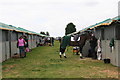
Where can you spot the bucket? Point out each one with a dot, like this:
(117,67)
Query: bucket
(106,61)
(75,50)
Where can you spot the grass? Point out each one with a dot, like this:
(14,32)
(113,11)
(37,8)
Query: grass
(44,62)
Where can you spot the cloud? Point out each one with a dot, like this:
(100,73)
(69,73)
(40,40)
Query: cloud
(54,15)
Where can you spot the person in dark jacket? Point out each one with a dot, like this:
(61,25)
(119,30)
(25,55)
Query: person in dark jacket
(52,41)
(26,45)
(26,40)
(93,44)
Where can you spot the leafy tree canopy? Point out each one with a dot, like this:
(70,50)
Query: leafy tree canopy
(47,33)
(70,28)
(42,33)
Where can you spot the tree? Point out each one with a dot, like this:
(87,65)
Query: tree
(47,33)
(42,33)
(70,28)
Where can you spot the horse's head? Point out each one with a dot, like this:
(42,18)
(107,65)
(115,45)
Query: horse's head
(86,35)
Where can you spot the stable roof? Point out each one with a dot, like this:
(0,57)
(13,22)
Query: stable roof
(18,29)
(105,22)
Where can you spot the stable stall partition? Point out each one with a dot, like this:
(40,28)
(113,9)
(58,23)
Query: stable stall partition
(5,45)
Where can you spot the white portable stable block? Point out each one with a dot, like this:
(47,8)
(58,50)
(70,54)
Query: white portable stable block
(112,55)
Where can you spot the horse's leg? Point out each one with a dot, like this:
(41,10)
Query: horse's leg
(62,51)
(60,55)
(81,55)
(77,48)
(64,55)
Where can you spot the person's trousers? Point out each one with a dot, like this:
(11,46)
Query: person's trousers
(22,51)
(93,52)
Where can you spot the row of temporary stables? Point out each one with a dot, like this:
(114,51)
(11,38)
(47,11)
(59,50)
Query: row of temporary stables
(9,36)
(109,32)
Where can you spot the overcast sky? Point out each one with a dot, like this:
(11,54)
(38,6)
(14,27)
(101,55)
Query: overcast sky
(54,15)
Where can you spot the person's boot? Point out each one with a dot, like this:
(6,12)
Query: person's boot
(25,54)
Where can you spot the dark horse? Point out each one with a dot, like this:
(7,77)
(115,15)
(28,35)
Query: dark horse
(83,38)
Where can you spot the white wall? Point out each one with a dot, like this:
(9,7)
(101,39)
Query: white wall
(114,55)
(0,54)
(0,46)
(14,47)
